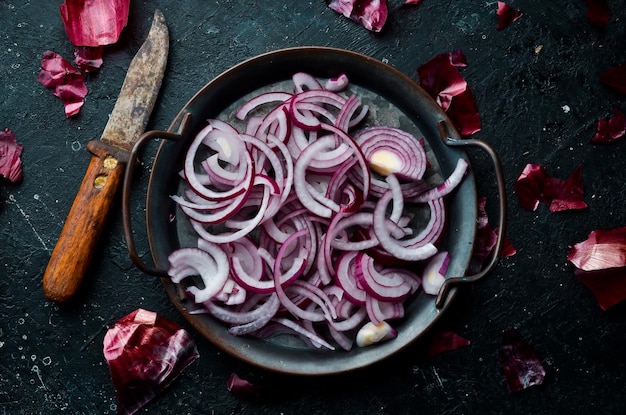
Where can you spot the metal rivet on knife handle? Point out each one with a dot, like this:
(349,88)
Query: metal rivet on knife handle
(110,163)
(100,181)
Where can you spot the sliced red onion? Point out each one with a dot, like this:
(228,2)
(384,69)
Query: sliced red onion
(303,81)
(346,278)
(435,273)
(337,84)
(303,226)
(392,245)
(447,186)
(224,237)
(301,187)
(214,194)
(378,285)
(390,150)
(380,311)
(260,100)
(208,261)
(373,333)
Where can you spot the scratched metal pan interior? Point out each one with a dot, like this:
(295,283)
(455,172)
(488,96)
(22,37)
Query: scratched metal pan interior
(394,99)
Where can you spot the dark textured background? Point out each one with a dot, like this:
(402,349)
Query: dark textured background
(51,358)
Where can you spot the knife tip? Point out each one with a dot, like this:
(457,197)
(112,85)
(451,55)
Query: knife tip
(158,16)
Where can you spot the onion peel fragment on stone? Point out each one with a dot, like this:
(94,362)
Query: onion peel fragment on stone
(242,388)
(371,14)
(441,79)
(615,78)
(601,265)
(445,340)
(94,22)
(598,12)
(485,241)
(520,364)
(10,152)
(535,185)
(145,353)
(88,59)
(506,15)
(608,286)
(610,130)
(601,250)
(66,82)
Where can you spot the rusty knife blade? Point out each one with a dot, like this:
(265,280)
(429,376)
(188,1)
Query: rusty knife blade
(139,91)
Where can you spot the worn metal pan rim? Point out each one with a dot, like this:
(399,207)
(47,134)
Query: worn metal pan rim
(249,76)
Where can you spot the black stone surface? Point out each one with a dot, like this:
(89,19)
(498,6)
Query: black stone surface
(536,107)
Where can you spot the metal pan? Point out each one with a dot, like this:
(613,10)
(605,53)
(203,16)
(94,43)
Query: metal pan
(395,98)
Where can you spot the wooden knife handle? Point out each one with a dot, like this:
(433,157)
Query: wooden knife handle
(87,217)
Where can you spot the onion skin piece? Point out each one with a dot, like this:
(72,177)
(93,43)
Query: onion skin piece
(520,364)
(601,265)
(66,82)
(601,250)
(607,285)
(94,22)
(615,78)
(598,12)
(506,15)
(371,14)
(243,389)
(443,81)
(10,153)
(535,185)
(445,340)
(88,59)
(145,353)
(611,130)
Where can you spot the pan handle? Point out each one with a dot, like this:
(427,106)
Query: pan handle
(126,190)
(451,282)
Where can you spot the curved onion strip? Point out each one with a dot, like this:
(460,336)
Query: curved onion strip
(346,113)
(228,315)
(212,194)
(435,226)
(196,212)
(392,245)
(303,81)
(365,184)
(346,279)
(301,186)
(296,267)
(249,282)
(398,198)
(383,289)
(447,186)
(337,84)
(225,237)
(210,263)
(259,100)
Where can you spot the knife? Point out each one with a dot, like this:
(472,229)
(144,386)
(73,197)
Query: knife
(77,242)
